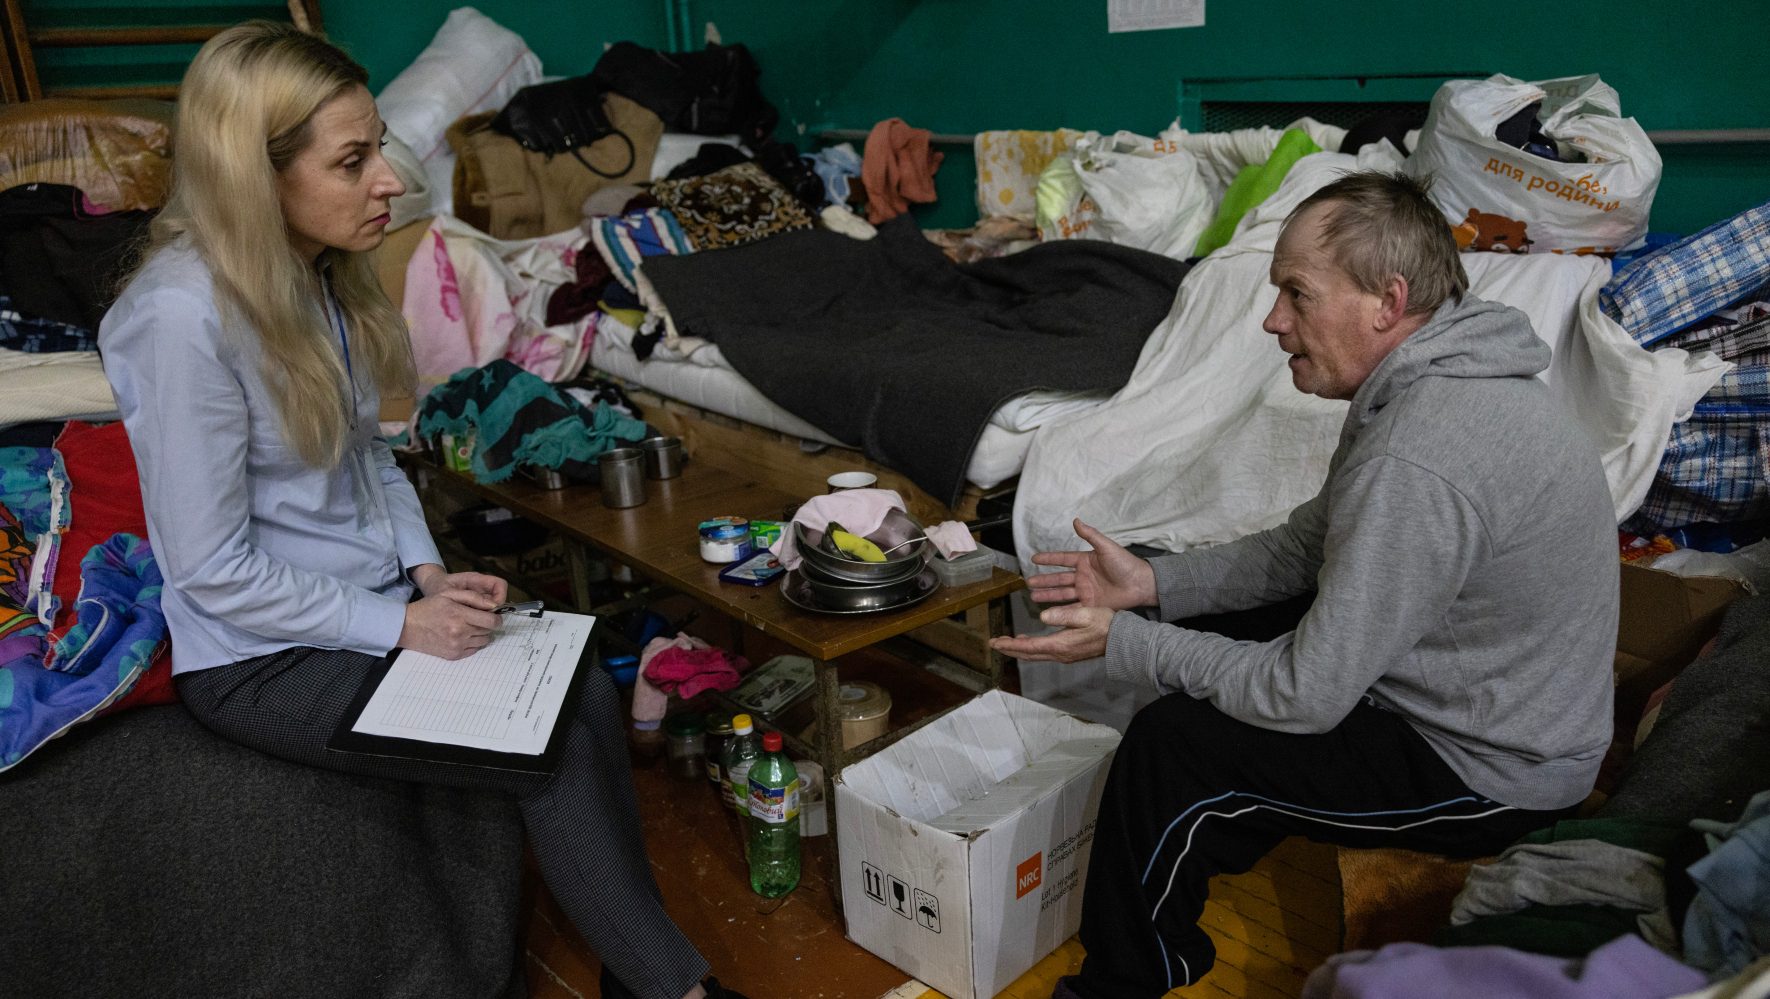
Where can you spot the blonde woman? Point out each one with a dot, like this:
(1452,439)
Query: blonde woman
(248,354)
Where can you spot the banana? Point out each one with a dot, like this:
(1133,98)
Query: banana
(855,546)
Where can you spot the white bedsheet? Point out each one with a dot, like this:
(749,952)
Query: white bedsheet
(704,379)
(1209,441)
(62,385)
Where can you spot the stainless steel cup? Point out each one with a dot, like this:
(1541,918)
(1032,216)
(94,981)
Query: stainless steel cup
(663,457)
(623,477)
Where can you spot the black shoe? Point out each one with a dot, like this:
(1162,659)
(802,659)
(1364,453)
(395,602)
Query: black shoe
(612,987)
(718,991)
(1066,988)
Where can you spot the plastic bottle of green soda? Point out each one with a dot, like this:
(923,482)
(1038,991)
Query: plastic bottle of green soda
(740,753)
(774,821)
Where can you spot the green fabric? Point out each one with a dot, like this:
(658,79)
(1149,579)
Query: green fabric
(1558,930)
(520,419)
(1254,184)
(1645,835)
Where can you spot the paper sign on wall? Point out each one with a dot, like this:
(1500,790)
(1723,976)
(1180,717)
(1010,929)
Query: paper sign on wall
(1148,15)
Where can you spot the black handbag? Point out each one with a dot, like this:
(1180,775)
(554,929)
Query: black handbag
(711,92)
(561,117)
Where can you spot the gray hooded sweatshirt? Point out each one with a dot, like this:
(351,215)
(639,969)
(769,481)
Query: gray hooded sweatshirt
(1463,550)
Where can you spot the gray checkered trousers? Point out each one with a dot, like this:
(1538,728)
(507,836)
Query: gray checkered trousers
(582,820)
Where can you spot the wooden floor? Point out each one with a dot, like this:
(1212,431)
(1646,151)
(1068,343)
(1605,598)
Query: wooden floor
(1271,925)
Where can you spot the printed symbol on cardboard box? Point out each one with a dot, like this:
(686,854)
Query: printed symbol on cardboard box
(1029,874)
(927,910)
(900,898)
(873,883)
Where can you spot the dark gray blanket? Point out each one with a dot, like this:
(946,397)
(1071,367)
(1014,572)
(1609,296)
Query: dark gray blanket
(1705,757)
(146,856)
(887,345)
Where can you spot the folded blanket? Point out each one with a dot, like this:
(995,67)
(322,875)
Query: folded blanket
(888,345)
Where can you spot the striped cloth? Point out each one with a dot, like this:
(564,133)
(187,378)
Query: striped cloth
(626,240)
(582,821)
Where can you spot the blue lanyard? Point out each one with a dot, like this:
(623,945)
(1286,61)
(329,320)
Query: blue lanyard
(337,315)
(343,340)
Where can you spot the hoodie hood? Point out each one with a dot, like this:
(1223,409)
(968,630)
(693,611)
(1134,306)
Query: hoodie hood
(1471,338)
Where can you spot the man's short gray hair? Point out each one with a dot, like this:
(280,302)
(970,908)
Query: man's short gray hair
(1377,225)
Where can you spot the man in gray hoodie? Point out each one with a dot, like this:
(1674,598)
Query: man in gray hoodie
(1450,687)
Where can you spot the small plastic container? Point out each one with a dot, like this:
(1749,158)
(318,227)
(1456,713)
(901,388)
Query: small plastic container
(963,570)
(725,539)
(685,745)
(623,670)
(866,712)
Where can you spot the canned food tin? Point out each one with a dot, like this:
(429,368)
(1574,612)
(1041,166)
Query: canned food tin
(725,539)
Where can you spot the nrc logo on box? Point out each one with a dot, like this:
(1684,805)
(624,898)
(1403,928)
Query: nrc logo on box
(1029,875)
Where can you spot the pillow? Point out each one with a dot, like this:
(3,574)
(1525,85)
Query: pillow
(473,64)
(118,152)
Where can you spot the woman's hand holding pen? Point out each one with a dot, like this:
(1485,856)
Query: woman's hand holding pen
(454,618)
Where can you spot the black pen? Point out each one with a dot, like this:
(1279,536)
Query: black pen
(532,608)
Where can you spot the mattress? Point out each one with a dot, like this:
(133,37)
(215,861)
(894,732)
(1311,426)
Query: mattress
(704,379)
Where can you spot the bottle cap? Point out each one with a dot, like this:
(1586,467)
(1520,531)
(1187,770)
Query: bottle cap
(771,742)
(691,723)
(741,725)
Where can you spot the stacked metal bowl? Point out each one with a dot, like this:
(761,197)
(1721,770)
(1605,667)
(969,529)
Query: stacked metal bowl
(840,583)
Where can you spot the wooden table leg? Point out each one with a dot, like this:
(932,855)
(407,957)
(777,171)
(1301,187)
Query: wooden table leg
(998,626)
(578,559)
(830,756)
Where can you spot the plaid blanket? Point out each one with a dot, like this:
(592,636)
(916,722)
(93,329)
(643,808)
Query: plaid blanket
(1716,467)
(1661,293)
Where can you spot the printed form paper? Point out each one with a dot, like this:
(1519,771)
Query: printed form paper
(504,697)
(1148,15)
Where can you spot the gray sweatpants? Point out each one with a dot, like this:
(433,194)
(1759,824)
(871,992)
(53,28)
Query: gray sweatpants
(582,820)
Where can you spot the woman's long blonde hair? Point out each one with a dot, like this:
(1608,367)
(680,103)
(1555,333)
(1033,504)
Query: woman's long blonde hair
(245,110)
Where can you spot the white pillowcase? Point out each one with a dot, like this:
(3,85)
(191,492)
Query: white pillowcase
(473,64)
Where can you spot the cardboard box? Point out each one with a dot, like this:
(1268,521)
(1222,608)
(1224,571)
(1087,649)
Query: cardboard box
(1665,621)
(965,846)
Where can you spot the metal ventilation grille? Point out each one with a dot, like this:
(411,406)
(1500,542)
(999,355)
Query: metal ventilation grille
(1225,116)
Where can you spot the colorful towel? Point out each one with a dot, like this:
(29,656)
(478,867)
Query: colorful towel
(34,487)
(119,630)
(898,169)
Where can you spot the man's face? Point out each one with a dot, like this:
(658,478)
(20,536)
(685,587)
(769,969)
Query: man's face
(1324,321)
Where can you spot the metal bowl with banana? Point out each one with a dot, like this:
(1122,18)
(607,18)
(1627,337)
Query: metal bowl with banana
(845,572)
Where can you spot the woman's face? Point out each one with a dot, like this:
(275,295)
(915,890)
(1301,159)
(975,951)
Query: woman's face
(336,192)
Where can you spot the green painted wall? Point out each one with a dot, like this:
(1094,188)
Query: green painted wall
(568,35)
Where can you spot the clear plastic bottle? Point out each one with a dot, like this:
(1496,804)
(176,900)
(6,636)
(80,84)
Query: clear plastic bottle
(740,753)
(774,821)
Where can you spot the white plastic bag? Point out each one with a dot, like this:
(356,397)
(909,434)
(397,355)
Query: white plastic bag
(1502,198)
(1147,193)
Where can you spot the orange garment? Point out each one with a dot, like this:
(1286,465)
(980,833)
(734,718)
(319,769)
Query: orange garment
(898,169)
